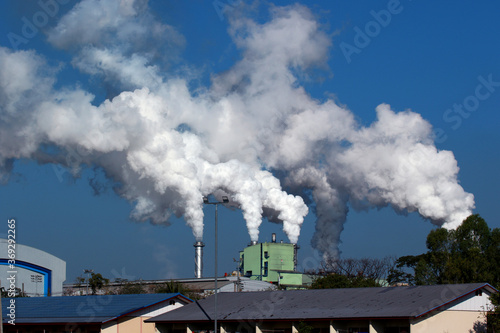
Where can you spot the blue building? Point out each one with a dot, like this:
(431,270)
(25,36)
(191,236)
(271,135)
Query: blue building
(24,269)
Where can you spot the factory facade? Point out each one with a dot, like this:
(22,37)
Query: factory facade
(32,272)
(273,262)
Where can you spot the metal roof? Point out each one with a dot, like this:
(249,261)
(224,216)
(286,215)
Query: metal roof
(384,302)
(81,309)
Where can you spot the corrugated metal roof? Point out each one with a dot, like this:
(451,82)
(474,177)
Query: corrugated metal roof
(80,309)
(386,302)
(248,285)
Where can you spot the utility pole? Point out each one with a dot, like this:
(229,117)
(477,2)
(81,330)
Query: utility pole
(217,203)
(88,271)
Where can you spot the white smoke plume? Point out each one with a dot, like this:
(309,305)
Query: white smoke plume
(253,130)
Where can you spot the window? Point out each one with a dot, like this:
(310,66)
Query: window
(266,254)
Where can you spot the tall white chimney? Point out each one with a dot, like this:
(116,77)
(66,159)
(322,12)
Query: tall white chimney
(198,259)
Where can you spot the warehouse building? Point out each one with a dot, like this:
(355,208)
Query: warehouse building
(34,272)
(88,314)
(457,308)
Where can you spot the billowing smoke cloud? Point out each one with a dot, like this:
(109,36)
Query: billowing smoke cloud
(254,130)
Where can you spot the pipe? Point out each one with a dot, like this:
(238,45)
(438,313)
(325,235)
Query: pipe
(296,247)
(198,259)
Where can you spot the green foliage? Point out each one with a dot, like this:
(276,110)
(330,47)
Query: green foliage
(494,316)
(131,288)
(331,281)
(471,253)
(304,327)
(97,282)
(175,287)
(79,281)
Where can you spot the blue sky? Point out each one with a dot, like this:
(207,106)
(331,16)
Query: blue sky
(439,61)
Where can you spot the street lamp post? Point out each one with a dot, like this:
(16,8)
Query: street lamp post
(88,271)
(217,203)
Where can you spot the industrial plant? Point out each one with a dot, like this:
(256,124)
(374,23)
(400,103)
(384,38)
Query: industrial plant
(269,262)
(273,262)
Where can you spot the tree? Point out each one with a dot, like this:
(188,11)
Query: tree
(304,327)
(354,273)
(97,282)
(471,253)
(494,316)
(131,288)
(400,273)
(176,287)
(375,269)
(342,281)
(493,254)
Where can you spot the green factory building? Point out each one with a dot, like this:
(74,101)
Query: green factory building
(273,262)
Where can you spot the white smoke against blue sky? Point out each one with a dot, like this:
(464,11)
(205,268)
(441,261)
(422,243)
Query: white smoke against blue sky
(254,132)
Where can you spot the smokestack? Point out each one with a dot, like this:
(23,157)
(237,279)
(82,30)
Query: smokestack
(198,259)
(273,238)
(254,242)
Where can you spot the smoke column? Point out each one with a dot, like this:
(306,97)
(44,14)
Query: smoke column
(168,145)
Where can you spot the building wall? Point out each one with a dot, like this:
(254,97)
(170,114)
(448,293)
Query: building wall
(129,325)
(263,260)
(450,321)
(37,272)
(446,321)
(296,279)
(474,302)
(280,257)
(159,309)
(109,327)
(135,322)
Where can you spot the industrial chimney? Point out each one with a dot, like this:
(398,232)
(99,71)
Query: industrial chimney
(198,259)
(254,243)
